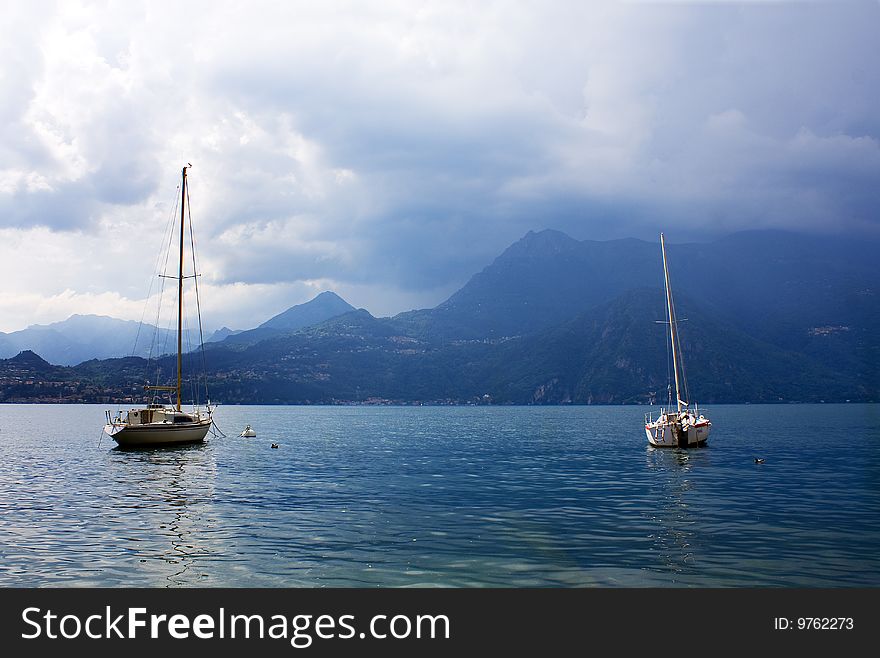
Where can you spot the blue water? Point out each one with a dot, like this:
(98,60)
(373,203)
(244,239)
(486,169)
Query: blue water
(444,496)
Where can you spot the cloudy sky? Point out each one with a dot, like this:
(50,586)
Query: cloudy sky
(389,150)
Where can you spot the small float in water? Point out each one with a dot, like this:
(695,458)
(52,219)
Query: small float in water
(248,432)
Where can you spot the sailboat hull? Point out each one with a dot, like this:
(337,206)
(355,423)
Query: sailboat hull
(159,434)
(673,435)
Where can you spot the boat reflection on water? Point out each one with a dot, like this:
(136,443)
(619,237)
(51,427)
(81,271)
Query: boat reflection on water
(678,534)
(169,499)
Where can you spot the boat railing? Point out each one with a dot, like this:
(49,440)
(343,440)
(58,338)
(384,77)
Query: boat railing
(649,417)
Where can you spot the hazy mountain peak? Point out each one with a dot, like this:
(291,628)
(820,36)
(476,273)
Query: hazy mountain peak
(322,307)
(82,337)
(221,334)
(90,319)
(540,244)
(326,296)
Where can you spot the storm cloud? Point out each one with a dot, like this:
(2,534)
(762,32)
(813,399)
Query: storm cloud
(389,150)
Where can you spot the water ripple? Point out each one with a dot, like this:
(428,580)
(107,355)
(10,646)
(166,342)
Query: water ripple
(425,497)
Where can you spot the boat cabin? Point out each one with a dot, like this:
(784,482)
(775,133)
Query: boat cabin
(157,413)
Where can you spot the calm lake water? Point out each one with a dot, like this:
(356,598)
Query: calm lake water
(444,496)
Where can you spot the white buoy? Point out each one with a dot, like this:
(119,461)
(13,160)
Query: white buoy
(248,432)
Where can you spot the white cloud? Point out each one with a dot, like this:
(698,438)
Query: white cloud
(393,149)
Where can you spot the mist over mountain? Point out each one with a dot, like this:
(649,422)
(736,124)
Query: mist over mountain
(770,317)
(83,337)
(772,283)
(539,281)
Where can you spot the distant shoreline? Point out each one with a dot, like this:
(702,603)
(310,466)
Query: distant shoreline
(438,404)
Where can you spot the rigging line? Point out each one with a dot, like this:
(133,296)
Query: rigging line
(186,339)
(154,346)
(168,250)
(684,380)
(680,355)
(667,340)
(192,375)
(169,331)
(672,323)
(152,279)
(683,377)
(188,355)
(198,301)
(219,432)
(163,351)
(162,267)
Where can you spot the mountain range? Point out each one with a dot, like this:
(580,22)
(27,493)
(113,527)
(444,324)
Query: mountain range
(85,337)
(771,317)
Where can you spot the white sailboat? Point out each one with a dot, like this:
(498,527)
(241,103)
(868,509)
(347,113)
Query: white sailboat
(160,424)
(685,426)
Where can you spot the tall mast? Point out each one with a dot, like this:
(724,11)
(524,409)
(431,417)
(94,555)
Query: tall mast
(673,327)
(180,289)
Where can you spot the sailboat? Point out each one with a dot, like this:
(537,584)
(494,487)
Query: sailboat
(159,424)
(685,426)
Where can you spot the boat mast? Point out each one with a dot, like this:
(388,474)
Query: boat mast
(673,328)
(180,289)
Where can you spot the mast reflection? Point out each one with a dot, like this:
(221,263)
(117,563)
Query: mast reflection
(170,491)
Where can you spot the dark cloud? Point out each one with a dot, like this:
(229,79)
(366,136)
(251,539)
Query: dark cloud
(406,146)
